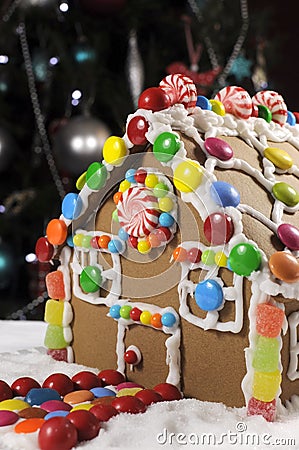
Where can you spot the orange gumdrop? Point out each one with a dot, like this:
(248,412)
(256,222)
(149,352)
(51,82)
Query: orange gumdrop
(269,320)
(56,231)
(103,241)
(156,320)
(179,254)
(117,197)
(29,425)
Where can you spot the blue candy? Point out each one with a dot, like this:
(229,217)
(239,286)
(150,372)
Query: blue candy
(130,175)
(37,396)
(224,194)
(57,413)
(203,102)
(166,220)
(123,234)
(102,392)
(71,206)
(114,311)
(291,119)
(70,241)
(168,319)
(115,246)
(208,295)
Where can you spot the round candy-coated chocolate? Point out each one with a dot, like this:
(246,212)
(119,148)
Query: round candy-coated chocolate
(57,433)
(22,386)
(285,193)
(137,129)
(291,119)
(280,158)
(166,145)
(208,295)
(111,377)
(44,250)
(114,150)
(56,231)
(284,266)
(130,175)
(55,405)
(129,404)
(131,357)
(289,235)
(86,423)
(244,259)
(94,242)
(37,396)
(203,102)
(56,413)
(76,397)
(71,205)
(133,241)
(224,194)
(86,380)
(114,311)
(96,176)
(218,148)
(168,319)
(194,255)
(115,246)
(168,391)
(135,314)
(218,228)
(102,391)
(140,176)
(149,396)
(29,425)
(90,279)
(103,412)
(154,99)
(179,254)
(60,382)
(163,233)
(128,385)
(103,400)
(187,176)
(264,113)
(8,418)
(13,404)
(166,220)
(125,311)
(31,412)
(5,391)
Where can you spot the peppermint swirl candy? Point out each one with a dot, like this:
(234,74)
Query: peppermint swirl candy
(180,89)
(236,101)
(138,211)
(275,103)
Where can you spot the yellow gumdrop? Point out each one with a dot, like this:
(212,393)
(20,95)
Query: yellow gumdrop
(124,185)
(221,259)
(218,107)
(143,247)
(187,176)
(13,404)
(114,150)
(278,157)
(86,406)
(77,239)
(54,312)
(151,180)
(128,391)
(81,181)
(266,385)
(165,204)
(145,317)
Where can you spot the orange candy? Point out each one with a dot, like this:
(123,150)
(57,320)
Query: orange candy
(156,320)
(117,197)
(103,241)
(180,254)
(56,231)
(269,320)
(284,266)
(154,240)
(29,425)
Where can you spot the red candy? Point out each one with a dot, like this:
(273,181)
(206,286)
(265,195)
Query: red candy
(5,391)
(55,405)
(130,357)
(259,408)
(140,176)
(22,386)
(194,255)
(168,391)
(163,233)
(133,241)
(236,101)
(44,250)
(60,382)
(103,412)
(154,99)
(129,404)
(59,354)
(94,242)
(135,314)
(57,433)
(111,377)
(55,285)
(180,89)
(136,130)
(86,380)
(218,228)
(149,396)
(269,320)
(86,423)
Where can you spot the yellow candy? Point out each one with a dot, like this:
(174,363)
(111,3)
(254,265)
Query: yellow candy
(165,204)
(143,247)
(266,385)
(128,391)
(218,107)
(114,150)
(77,239)
(151,180)
(124,185)
(81,181)
(278,157)
(13,405)
(187,176)
(54,312)
(145,317)
(221,259)
(86,406)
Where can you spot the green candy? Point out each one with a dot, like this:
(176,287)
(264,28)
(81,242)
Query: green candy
(86,241)
(244,259)
(208,257)
(266,354)
(264,113)
(285,193)
(54,337)
(90,279)
(115,216)
(125,311)
(166,146)
(160,190)
(96,176)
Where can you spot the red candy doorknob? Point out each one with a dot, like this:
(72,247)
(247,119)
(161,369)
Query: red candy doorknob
(154,99)
(132,355)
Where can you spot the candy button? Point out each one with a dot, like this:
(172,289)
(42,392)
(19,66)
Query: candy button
(218,148)
(125,311)
(94,242)
(132,356)
(266,385)
(5,391)
(124,185)
(57,337)
(266,354)
(81,181)
(8,418)
(166,145)
(144,247)
(90,279)
(156,320)
(258,408)
(44,250)
(224,194)
(115,246)
(102,392)
(29,425)
(123,235)
(114,311)
(194,255)
(96,176)
(55,285)
(208,295)
(137,129)
(264,113)
(218,228)
(128,391)
(203,102)
(104,241)
(85,243)
(140,176)
(114,150)
(22,386)
(56,231)
(208,257)
(111,377)
(269,320)
(154,99)
(291,119)
(128,385)
(71,206)
(149,396)
(86,380)
(244,259)
(82,406)
(180,254)
(77,239)
(13,405)
(57,433)
(285,193)
(130,175)
(168,391)
(278,157)
(60,382)
(217,107)
(87,425)
(135,314)
(165,204)
(58,313)
(289,235)
(103,412)
(168,319)
(38,396)
(221,259)
(151,180)
(166,220)
(160,190)
(129,404)
(103,400)
(284,266)
(32,412)
(76,397)
(56,413)
(187,176)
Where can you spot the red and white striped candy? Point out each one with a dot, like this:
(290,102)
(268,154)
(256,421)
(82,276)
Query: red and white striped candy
(138,211)
(180,89)
(236,101)
(275,103)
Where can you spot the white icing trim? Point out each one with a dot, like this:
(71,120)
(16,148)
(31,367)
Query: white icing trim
(65,257)
(67,334)
(293,372)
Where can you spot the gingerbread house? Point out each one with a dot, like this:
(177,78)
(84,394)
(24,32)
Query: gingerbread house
(178,256)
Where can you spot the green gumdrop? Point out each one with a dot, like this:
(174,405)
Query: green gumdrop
(160,190)
(266,354)
(54,338)
(285,193)
(244,259)
(86,241)
(125,311)
(90,279)
(166,146)
(208,257)
(96,176)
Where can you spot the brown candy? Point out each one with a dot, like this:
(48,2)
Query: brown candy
(76,397)
(284,266)
(32,413)
(103,400)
